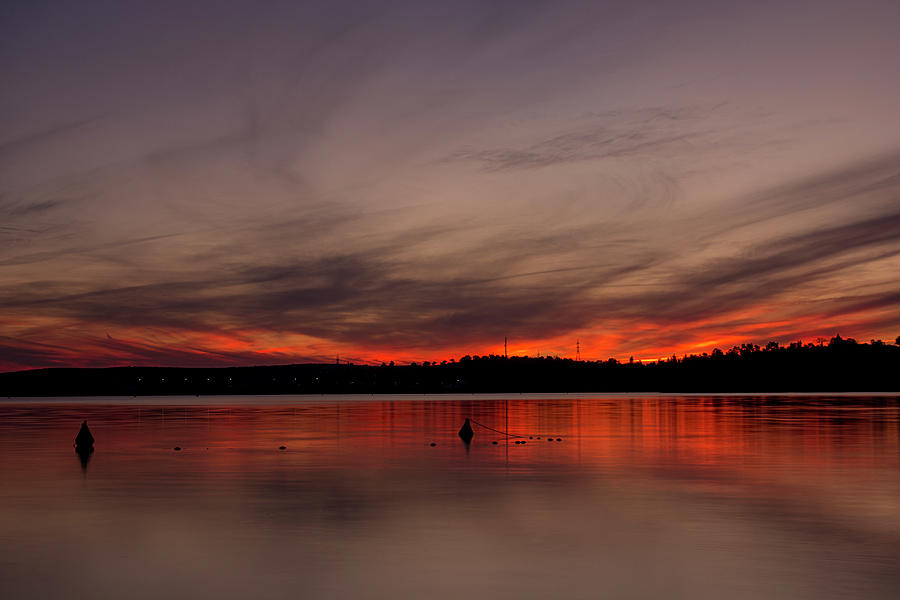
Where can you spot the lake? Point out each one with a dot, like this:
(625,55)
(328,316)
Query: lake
(644,497)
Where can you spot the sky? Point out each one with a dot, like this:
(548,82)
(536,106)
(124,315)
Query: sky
(237,182)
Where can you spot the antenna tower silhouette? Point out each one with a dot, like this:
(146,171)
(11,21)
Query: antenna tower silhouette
(577,350)
(505,353)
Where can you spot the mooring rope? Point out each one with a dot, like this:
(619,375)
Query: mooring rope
(496,430)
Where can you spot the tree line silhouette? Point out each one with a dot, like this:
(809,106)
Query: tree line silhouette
(841,365)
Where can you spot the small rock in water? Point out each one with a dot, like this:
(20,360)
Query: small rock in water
(558,439)
(538,437)
(176,448)
(494,443)
(282,447)
(531,438)
(549,439)
(433,444)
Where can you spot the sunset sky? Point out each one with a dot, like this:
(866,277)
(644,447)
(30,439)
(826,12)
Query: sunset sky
(236,182)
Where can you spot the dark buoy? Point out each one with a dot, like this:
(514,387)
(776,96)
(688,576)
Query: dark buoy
(84,445)
(84,441)
(433,444)
(465,432)
(177,448)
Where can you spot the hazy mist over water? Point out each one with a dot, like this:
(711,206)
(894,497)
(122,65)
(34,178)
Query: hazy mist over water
(644,497)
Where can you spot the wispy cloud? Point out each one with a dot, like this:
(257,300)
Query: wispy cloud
(412,178)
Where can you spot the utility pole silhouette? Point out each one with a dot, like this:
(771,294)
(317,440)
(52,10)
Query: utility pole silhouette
(505,352)
(577,350)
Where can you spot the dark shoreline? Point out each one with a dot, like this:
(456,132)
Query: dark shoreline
(841,366)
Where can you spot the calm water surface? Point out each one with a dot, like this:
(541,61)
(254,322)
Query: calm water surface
(644,497)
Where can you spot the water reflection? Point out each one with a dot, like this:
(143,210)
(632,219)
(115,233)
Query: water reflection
(645,497)
(84,456)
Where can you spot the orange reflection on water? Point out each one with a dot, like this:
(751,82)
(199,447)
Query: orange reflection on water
(702,493)
(741,433)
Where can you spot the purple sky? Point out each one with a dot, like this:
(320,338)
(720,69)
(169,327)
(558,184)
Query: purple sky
(259,182)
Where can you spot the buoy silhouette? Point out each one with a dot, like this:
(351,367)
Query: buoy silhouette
(84,441)
(465,432)
(84,445)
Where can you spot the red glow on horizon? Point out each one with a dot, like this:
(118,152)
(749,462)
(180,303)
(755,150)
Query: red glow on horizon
(644,340)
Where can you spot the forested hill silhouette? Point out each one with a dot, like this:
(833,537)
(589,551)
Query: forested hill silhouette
(840,365)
